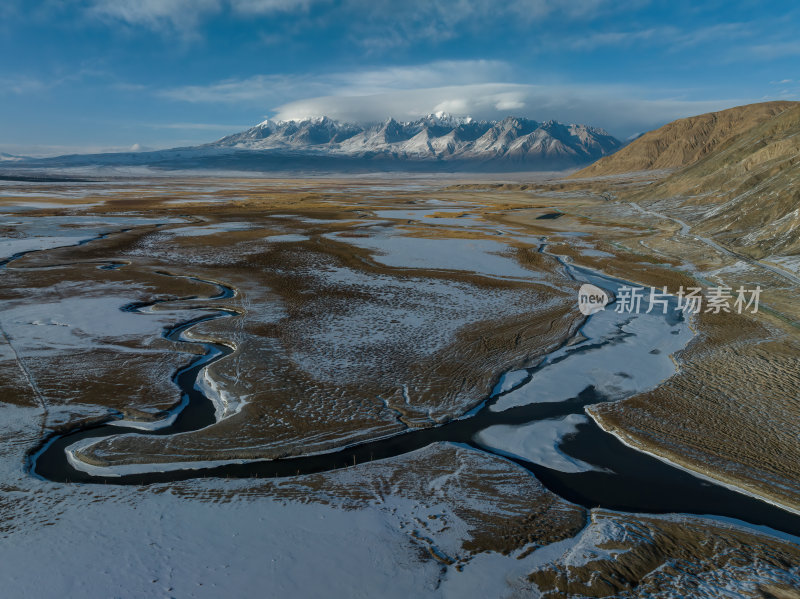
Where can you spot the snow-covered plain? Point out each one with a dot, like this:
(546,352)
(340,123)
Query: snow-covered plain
(214,538)
(168,546)
(31,233)
(624,353)
(75,540)
(106,541)
(208,229)
(537,442)
(90,318)
(461,217)
(421,315)
(286,238)
(481,256)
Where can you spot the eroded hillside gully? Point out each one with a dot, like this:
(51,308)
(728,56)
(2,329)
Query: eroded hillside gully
(592,467)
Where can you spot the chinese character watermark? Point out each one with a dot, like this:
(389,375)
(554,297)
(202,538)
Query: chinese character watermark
(690,300)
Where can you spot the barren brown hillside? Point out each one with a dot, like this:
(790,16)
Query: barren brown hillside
(685,141)
(746,194)
(735,176)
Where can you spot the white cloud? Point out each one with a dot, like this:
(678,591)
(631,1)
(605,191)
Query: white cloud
(621,110)
(264,90)
(381,24)
(261,7)
(666,36)
(180,15)
(459,72)
(256,90)
(775,50)
(370,23)
(21,85)
(727,32)
(481,89)
(186,16)
(197,126)
(24,84)
(511,101)
(618,38)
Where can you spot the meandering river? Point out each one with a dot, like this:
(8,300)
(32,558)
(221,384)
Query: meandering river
(603,472)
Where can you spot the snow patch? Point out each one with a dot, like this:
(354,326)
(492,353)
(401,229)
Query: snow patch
(622,354)
(537,442)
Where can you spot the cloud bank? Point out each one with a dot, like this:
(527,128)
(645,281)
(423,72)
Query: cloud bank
(481,89)
(375,23)
(618,111)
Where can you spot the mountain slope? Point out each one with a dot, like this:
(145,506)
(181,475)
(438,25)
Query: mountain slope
(747,193)
(685,141)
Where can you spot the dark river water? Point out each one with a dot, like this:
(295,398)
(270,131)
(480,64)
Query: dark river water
(626,480)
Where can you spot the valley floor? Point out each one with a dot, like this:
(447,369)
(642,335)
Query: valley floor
(436,325)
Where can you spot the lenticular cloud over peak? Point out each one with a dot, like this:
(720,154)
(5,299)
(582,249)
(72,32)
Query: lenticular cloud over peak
(623,112)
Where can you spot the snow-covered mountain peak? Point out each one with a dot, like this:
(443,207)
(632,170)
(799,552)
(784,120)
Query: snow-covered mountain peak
(436,136)
(444,119)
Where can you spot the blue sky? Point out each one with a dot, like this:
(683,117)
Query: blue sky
(89,75)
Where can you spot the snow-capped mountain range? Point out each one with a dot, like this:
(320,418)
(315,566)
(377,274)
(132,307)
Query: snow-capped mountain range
(435,143)
(435,137)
